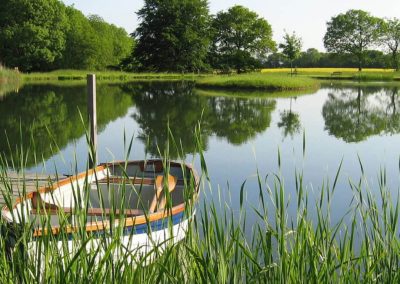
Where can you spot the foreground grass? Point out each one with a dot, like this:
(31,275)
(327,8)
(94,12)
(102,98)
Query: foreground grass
(257,81)
(363,246)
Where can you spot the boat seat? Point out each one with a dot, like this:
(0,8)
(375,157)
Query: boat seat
(40,207)
(157,202)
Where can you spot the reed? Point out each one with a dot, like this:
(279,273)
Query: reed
(10,80)
(363,246)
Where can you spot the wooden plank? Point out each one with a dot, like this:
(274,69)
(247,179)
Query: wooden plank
(17,184)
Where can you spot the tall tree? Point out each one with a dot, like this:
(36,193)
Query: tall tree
(32,33)
(291,48)
(391,38)
(240,38)
(352,32)
(173,35)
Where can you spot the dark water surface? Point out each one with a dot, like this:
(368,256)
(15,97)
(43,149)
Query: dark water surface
(240,134)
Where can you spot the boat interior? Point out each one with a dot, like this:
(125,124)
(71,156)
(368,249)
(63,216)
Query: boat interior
(128,189)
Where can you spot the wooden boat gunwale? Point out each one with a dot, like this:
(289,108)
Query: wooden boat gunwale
(102,225)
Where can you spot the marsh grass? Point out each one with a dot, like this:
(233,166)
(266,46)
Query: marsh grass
(363,246)
(10,80)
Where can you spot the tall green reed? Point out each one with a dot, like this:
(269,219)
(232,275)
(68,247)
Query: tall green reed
(362,246)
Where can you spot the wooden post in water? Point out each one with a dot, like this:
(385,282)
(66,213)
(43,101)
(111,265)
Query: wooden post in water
(92,116)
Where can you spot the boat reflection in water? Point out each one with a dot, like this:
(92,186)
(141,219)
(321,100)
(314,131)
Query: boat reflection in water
(144,205)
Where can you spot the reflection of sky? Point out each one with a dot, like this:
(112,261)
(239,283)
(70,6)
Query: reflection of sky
(232,164)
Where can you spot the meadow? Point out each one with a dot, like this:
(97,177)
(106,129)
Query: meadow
(367,74)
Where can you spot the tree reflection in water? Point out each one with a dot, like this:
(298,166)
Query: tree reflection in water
(290,122)
(176,104)
(44,118)
(356,114)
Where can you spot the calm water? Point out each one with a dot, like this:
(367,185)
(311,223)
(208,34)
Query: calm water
(240,135)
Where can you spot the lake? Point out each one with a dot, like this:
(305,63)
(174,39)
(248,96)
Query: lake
(241,133)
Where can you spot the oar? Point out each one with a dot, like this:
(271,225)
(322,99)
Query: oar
(159,188)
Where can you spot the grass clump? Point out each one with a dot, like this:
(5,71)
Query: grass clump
(10,80)
(258,81)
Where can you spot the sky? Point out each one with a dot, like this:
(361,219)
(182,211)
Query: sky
(307,18)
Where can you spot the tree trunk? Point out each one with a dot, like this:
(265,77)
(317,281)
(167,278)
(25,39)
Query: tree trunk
(395,62)
(291,68)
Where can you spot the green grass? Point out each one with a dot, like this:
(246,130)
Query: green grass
(10,80)
(253,93)
(80,75)
(367,74)
(363,246)
(258,81)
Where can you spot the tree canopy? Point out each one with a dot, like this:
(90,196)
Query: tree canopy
(391,38)
(240,39)
(352,32)
(291,47)
(173,35)
(32,33)
(44,35)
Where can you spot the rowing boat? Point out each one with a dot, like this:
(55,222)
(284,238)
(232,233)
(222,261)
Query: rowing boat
(147,203)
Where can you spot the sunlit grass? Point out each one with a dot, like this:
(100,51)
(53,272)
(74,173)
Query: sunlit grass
(10,80)
(258,81)
(325,70)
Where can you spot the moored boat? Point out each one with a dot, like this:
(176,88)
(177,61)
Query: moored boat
(145,201)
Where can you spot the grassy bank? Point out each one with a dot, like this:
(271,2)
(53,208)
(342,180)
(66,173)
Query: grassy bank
(80,75)
(367,74)
(10,80)
(363,246)
(257,81)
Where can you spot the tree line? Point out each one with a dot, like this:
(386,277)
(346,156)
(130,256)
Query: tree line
(44,35)
(182,36)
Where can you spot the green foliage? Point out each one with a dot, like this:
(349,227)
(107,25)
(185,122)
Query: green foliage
(45,35)
(291,47)
(32,33)
(390,36)
(240,40)
(93,44)
(352,32)
(173,35)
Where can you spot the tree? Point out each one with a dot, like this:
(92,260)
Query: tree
(352,32)
(240,39)
(391,38)
(32,33)
(173,35)
(291,48)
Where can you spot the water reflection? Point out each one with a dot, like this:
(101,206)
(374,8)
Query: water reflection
(158,104)
(354,114)
(43,118)
(290,122)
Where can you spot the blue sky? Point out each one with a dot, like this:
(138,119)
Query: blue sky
(307,17)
